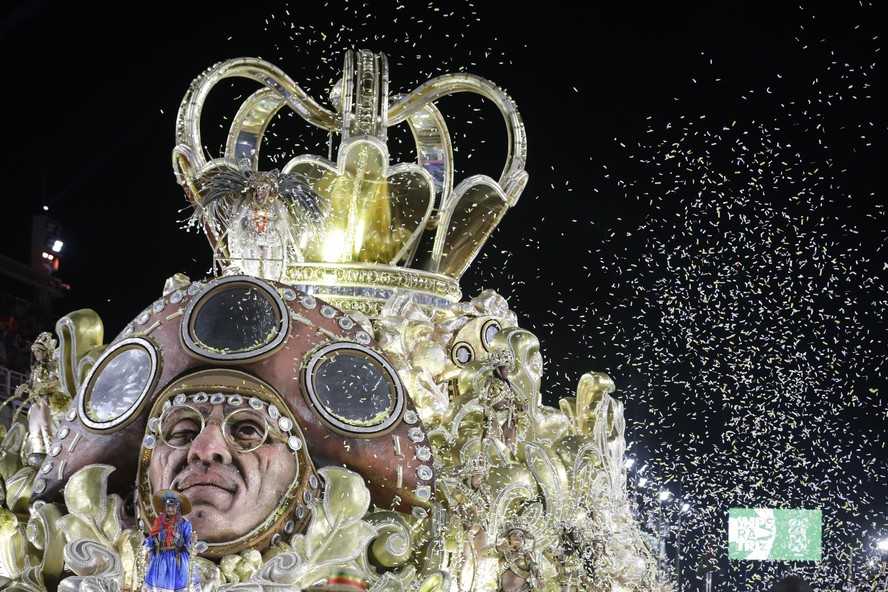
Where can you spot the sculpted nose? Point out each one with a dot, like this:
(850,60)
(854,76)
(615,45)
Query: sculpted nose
(209,446)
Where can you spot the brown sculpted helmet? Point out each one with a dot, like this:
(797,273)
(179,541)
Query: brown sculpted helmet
(252,368)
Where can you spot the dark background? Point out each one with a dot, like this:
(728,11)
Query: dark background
(704,219)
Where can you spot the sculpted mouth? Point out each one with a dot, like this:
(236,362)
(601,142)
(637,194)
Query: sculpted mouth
(200,479)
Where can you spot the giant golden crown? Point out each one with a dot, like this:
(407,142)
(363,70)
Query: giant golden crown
(380,226)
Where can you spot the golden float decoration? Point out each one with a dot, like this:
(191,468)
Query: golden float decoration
(527,497)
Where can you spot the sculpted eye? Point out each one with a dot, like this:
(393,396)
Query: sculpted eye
(246,429)
(183,435)
(180,426)
(247,432)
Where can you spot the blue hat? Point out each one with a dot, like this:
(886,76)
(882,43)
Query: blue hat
(164,496)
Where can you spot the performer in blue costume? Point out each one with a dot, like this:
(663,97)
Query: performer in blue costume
(169,545)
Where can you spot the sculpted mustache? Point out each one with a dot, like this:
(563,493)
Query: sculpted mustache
(201,474)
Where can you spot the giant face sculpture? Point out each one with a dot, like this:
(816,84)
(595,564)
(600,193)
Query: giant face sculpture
(231,445)
(234,391)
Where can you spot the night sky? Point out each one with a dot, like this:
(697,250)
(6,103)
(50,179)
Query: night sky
(704,221)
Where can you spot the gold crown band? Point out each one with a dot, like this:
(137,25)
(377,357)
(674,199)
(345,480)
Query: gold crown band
(365,287)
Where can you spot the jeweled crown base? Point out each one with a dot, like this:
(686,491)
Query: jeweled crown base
(365,287)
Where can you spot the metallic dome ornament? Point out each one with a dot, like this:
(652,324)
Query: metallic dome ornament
(325,400)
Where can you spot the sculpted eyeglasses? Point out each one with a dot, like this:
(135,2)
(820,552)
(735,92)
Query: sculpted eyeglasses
(244,430)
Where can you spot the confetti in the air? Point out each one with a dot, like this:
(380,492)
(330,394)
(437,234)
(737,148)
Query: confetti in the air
(710,232)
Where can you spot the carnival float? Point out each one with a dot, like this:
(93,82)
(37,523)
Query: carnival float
(400,431)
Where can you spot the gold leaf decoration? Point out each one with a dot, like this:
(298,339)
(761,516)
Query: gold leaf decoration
(529,496)
(18,491)
(46,536)
(10,451)
(84,495)
(98,568)
(336,535)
